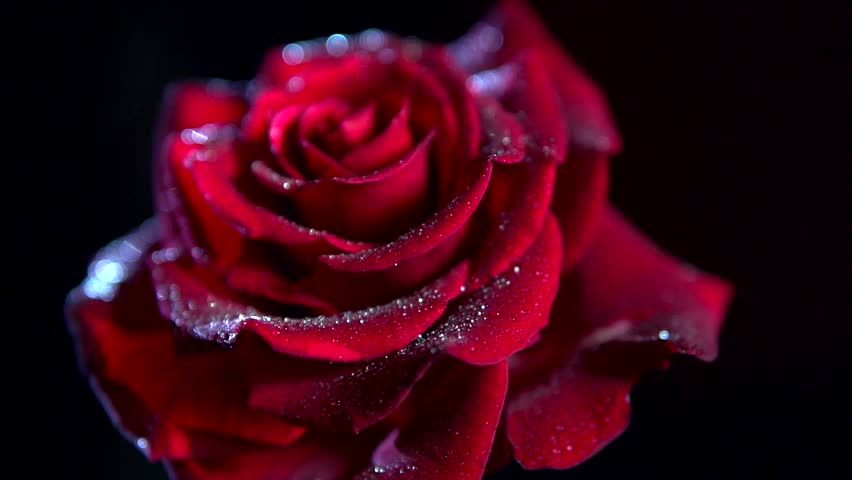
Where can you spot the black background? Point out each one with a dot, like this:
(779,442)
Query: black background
(734,128)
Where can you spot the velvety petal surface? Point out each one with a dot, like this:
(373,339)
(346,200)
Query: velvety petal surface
(209,313)
(447,434)
(624,309)
(501,317)
(512,27)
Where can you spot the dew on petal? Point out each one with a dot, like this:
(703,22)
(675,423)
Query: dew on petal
(293,54)
(337,44)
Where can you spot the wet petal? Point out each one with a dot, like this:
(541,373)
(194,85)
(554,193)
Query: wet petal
(513,27)
(317,457)
(499,318)
(170,404)
(337,397)
(456,412)
(348,336)
(624,309)
(516,203)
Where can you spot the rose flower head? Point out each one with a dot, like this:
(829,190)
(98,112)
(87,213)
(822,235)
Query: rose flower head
(384,258)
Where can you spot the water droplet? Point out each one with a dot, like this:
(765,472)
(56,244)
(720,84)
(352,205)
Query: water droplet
(295,84)
(293,54)
(337,45)
(517,269)
(109,271)
(663,334)
(142,443)
(372,39)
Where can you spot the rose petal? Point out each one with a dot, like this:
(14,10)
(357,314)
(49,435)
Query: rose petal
(347,337)
(425,237)
(624,309)
(358,125)
(318,164)
(347,205)
(258,280)
(157,396)
(532,95)
(386,147)
(563,422)
(579,201)
(456,411)
(194,104)
(252,219)
(499,318)
(502,133)
(281,138)
(516,204)
(513,27)
(317,457)
(626,278)
(337,397)
(187,221)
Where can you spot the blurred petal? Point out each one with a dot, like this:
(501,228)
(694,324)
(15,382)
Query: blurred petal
(513,27)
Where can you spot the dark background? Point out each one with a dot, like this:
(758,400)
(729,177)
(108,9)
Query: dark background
(734,128)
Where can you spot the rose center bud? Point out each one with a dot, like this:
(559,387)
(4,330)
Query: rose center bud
(356,159)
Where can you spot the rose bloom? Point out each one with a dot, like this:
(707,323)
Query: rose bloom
(383,258)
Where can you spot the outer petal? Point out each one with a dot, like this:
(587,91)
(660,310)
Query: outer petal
(454,413)
(624,309)
(511,28)
(500,318)
(159,396)
(195,104)
(211,314)
(318,457)
(516,204)
(633,288)
(580,200)
(336,397)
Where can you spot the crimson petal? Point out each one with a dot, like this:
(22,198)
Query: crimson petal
(316,457)
(456,411)
(517,202)
(387,146)
(195,104)
(624,309)
(337,397)
(499,318)
(513,27)
(566,420)
(453,216)
(580,200)
(347,337)
(160,398)
(254,220)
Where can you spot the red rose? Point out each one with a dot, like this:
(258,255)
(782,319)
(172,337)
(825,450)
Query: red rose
(384,258)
